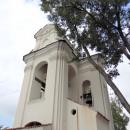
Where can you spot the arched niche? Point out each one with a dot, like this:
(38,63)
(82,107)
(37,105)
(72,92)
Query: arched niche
(71,82)
(39,81)
(71,74)
(33,124)
(86,92)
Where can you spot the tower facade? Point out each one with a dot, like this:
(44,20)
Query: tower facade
(59,93)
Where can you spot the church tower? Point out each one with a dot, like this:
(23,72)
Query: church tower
(59,93)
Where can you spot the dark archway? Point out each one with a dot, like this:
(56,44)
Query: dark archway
(71,83)
(86,90)
(33,124)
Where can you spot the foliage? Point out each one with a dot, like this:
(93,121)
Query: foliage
(102,25)
(119,118)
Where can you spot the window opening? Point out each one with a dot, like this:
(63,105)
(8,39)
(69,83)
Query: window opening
(87,95)
(71,83)
(73,111)
(39,82)
(43,85)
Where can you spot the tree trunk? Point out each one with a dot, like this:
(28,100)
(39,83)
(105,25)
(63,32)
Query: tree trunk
(109,81)
(126,44)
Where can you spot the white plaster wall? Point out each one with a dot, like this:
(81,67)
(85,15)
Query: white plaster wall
(61,88)
(23,96)
(46,127)
(102,124)
(46,36)
(50,108)
(35,90)
(107,103)
(42,109)
(84,119)
(53,108)
(99,90)
(73,90)
(93,77)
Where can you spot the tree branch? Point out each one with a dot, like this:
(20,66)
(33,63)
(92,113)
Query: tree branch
(126,44)
(109,81)
(119,29)
(125,52)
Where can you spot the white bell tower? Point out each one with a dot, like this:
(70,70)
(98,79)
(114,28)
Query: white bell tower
(59,93)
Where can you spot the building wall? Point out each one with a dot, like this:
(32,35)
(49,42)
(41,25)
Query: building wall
(98,88)
(46,109)
(61,84)
(102,123)
(88,72)
(84,119)
(39,109)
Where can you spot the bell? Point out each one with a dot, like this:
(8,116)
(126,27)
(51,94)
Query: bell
(89,98)
(84,96)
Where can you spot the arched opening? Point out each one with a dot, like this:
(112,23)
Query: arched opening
(87,95)
(71,83)
(39,81)
(71,75)
(33,124)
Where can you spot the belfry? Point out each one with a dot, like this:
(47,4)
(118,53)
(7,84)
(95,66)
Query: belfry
(59,93)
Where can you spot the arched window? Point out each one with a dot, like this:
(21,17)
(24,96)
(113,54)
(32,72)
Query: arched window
(33,124)
(39,81)
(86,90)
(71,75)
(71,81)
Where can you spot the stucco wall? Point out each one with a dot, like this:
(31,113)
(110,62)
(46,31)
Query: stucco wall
(53,108)
(99,96)
(102,123)
(40,109)
(84,119)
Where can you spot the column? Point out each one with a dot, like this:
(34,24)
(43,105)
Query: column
(60,89)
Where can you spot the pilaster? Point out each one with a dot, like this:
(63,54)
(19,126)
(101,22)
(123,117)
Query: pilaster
(60,89)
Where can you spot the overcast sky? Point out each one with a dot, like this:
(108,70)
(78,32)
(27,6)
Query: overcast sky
(19,21)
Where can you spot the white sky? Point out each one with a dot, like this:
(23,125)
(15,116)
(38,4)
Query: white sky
(19,21)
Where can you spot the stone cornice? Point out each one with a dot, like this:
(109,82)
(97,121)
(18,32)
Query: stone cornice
(95,57)
(48,49)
